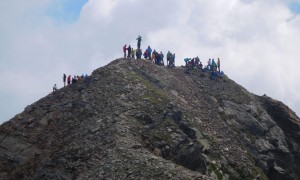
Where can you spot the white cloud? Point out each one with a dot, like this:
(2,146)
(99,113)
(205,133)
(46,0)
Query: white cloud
(99,10)
(257,42)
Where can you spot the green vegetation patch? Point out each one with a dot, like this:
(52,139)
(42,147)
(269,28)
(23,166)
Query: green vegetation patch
(154,95)
(158,135)
(213,168)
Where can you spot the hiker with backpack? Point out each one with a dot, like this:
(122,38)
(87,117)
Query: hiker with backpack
(139,39)
(124,50)
(64,79)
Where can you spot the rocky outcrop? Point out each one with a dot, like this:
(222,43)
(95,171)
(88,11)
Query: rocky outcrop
(134,120)
(289,123)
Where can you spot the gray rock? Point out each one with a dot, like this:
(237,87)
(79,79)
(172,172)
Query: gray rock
(214,100)
(136,146)
(223,160)
(95,129)
(29,108)
(263,146)
(15,153)
(191,157)
(244,118)
(44,121)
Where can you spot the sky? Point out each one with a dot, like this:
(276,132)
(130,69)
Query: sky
(257,41)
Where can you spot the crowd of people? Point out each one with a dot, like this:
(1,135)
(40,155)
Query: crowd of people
(71,80)
(74,79)
(158,58)
(212,67)
(195,62)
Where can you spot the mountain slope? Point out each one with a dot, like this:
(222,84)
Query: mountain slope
(134,120)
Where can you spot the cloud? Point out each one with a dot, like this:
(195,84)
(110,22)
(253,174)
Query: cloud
(96,10)
(257,42)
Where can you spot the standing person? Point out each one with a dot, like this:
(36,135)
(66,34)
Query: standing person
(54,88)
(169,56)
(201,66)
(124,50)
(64,79)
(153,55)
(173,59)
(139,39)
(161,59)
(79,78)
(133,51)
(208,64)
(74,80)
(197,61)
(138,53)
(145,54)
(129,51)
(149,50)
(69,79)
(218,63)
(213,64)
(193,62)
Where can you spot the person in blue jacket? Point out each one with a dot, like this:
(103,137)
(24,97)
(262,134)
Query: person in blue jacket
(149,50)
(213,64)
(187,60)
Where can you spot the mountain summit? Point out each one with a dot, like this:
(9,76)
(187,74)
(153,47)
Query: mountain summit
(134,120)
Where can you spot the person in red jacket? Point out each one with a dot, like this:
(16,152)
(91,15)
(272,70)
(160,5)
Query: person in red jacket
(124,50)
(69,80)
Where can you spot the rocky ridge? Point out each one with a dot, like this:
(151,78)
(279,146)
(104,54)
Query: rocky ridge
(134,120)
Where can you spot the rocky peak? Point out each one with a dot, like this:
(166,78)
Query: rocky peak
(134,120)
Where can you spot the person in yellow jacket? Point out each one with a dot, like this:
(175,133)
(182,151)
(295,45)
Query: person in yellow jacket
(133,51)
(153,55)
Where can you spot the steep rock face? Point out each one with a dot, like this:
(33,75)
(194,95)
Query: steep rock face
(290,125)
(134,120)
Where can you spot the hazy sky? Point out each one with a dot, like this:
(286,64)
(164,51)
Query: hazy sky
(257,41)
